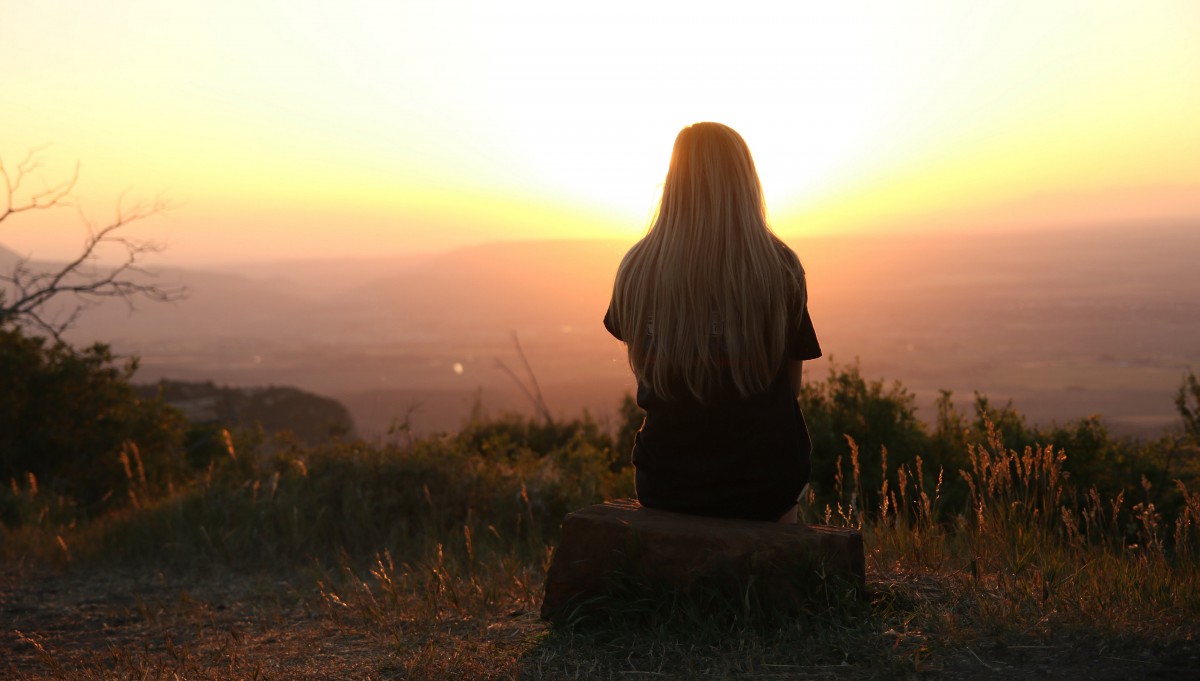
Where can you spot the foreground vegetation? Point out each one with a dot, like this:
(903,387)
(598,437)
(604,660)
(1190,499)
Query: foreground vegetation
(194,551)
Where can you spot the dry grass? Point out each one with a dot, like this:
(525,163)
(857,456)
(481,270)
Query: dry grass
(428,561)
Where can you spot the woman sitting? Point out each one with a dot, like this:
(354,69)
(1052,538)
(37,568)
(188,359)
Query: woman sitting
(713,309)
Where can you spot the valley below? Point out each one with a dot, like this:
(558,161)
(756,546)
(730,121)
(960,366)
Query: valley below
(1064,323)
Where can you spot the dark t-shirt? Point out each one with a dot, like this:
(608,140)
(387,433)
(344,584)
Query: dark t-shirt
(731,457)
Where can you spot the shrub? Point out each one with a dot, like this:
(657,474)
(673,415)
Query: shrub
(875,415)
(70,419)
(358,499)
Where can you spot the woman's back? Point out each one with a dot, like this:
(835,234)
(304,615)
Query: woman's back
(709,266)
(713,308)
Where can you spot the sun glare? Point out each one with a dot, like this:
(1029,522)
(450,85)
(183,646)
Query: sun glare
(534,118)
(593,103)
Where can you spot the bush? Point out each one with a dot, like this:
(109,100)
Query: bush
(358,499)
(71,419)
(875,415)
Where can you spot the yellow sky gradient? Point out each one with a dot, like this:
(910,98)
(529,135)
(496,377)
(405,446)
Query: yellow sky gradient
(365,127)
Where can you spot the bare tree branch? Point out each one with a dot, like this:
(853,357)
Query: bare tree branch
(27,291)
(50,196)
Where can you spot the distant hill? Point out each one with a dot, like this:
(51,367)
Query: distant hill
(312,418)
(1066,322)
(516,285)
(321,279)
(7,257)
(507,286)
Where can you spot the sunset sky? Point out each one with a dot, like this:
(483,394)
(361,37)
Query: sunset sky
(364,127)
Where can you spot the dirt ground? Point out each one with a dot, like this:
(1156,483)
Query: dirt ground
(126,623)
(150,625)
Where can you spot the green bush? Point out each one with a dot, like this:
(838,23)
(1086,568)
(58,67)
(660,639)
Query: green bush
(875,415)
(70,419)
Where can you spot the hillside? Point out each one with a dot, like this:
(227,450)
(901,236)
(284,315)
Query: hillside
(311,418)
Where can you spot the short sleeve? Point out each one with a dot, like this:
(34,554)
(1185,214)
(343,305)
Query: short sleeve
(802,337)
(608,324)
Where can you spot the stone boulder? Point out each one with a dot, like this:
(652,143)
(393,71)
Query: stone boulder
(621,539)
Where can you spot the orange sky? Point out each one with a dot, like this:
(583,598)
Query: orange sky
(294,129)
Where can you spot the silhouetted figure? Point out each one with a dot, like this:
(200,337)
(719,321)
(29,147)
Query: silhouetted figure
(713,309)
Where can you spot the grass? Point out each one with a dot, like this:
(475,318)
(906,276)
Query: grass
(426,560)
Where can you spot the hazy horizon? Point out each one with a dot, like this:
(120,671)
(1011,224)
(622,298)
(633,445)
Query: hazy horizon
(1066,323)
(171,257)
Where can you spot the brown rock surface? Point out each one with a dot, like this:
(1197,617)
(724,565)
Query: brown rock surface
(676,551)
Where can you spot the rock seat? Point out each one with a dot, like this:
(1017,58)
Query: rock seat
(622,538)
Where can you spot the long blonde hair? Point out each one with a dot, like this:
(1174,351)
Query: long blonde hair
(702,299)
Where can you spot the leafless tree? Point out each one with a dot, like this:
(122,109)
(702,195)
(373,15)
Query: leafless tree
(27,290)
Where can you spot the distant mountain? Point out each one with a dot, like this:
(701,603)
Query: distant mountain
(217,305)
(1067,322)
(499,286)
(7,257)
(312,418)
(322,279)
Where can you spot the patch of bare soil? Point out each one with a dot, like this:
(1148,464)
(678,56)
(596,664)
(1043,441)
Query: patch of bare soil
(1071,658)
(128,623)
